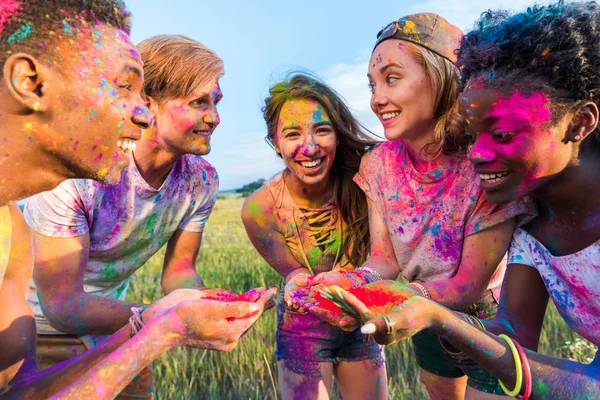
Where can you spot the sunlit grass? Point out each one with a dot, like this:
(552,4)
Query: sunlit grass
(228,260)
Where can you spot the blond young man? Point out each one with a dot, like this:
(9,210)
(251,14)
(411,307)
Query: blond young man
(91,237)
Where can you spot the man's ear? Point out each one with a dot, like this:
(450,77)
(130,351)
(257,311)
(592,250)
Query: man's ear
(27,81)
(584,122)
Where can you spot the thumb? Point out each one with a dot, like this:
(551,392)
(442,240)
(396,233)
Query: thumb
(374,326)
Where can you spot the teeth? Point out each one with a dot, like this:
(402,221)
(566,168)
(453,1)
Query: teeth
(126,145)
(311,164)
(390,115)
(492,178)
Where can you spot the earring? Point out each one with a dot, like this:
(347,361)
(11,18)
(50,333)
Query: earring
(577,138)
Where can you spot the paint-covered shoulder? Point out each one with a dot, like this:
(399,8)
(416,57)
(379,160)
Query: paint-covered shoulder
(196,167)
(259,205)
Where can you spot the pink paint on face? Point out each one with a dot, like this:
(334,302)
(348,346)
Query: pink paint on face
(8,9)
(513,138)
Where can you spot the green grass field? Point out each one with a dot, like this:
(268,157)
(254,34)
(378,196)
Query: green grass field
(228,260)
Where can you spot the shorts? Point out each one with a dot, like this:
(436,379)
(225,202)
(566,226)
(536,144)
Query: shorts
(434,358)
(53,349)
(304,341)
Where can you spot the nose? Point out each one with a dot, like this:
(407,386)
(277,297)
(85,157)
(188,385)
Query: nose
(378,99)
(481,151)
(310,145)
(211,117)
(142,117)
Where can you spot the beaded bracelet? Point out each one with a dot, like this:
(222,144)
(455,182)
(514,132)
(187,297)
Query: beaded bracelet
(376,275)
(518,368)
(526,372)
(135,320)
(421,289)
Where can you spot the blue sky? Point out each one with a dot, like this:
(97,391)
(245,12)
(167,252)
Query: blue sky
(260,41)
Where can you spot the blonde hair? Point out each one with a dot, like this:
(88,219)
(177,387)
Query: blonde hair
(175,65)
(444,78)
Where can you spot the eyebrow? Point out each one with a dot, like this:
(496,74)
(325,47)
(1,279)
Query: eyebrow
(315,125)
(135,70)
(386,67)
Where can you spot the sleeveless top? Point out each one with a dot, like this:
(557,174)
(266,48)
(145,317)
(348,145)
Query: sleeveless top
(5,236)
(315,236)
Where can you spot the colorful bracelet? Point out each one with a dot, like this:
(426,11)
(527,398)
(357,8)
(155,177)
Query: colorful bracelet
(376,275)
(421,289)
(471,319)
(518,368)
(135,320)
(526,372)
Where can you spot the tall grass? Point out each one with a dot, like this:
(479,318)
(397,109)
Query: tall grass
(228,260)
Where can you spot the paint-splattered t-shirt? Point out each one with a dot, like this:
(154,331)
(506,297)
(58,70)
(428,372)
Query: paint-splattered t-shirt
(572,281)
(428,215)
(127,222)
(5,238)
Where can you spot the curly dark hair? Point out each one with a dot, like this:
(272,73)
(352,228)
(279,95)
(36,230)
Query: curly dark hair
(353,143)
(32,26)
(554,49)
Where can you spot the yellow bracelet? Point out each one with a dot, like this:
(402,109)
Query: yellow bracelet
(518,366)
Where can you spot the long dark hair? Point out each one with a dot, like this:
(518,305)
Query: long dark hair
(353,142)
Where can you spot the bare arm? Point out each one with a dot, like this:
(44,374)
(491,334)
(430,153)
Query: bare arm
(59,271)
(17,325)
(481,254)
(179,268)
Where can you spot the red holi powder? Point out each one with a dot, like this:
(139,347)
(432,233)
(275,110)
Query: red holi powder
(370,297)
(249,315)
(8,9)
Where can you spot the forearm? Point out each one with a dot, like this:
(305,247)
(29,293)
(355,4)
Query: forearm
(184,277)
(45,383)
(387,267)
(84,313)
(292,273)
(550,375)
(454,293)
(108,378)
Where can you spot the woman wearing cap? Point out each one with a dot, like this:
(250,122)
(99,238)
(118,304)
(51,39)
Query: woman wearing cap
(309,219)
(532,107)
(428,215)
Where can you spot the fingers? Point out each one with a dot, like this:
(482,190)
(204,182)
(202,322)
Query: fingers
(348,323)
(254,294)
(358,306)
(307,280)
(374,326)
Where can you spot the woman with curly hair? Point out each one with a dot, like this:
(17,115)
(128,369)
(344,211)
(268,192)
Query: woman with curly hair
(309,219)
(531,104)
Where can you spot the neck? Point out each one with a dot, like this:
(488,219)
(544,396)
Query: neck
(153,160)
(313,195)
(574,195)
(422,161)
(26,169)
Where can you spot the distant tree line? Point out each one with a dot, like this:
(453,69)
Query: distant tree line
(247,189)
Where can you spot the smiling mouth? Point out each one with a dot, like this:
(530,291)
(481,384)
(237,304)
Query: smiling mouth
(493,178)
(389,115)
(202,133)
(126,145)
(312,164)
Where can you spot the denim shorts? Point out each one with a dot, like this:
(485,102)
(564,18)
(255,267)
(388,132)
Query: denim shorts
(304,341)
(433,358)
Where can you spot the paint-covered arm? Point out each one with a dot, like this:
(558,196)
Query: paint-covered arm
(260,220)
(17,325)
(60,264)
(179,268)
(481,254)
(102,372)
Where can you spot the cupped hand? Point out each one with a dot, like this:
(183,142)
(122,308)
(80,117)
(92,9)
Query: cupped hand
(405,319)
(215,325)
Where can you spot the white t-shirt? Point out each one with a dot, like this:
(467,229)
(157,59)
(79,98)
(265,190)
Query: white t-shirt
(572,281)
(127,222)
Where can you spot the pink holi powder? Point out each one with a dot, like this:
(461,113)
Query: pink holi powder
(518,105)
(8,9)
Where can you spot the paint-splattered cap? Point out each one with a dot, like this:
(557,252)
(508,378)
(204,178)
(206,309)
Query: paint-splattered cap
(428,30)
